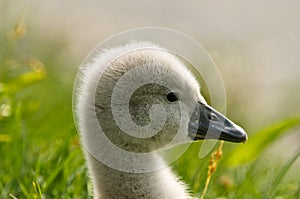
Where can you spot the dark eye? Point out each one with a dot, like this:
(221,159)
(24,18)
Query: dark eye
(172,97)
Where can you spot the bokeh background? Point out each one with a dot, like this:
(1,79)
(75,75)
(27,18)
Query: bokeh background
(255,44)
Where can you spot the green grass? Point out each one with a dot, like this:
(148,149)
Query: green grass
(40,150)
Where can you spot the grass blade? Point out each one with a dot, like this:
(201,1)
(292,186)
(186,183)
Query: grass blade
(284,170)
(297,193)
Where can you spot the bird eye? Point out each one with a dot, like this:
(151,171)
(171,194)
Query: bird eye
(172,97)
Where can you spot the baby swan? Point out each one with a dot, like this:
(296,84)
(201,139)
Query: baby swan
(132,101)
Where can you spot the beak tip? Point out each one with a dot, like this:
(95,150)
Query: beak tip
(244,136)
(240,134)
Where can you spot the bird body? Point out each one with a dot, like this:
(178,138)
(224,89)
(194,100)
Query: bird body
(142,99)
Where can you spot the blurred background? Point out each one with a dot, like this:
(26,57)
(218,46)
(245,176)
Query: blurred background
(255,45)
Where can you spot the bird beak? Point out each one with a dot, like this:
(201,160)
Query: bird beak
(207,123)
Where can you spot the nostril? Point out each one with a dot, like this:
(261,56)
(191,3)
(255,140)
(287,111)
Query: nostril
(209,117)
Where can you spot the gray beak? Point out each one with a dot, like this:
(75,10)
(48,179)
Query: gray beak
(207,123)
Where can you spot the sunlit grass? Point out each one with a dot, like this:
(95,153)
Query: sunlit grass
(40,150)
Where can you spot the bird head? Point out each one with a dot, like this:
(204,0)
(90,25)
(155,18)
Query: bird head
(146,98)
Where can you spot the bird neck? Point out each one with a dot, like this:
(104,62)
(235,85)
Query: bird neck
(111,183)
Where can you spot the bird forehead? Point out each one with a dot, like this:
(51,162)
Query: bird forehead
(159,64)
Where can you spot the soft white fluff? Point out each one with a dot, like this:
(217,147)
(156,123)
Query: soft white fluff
(99,74)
